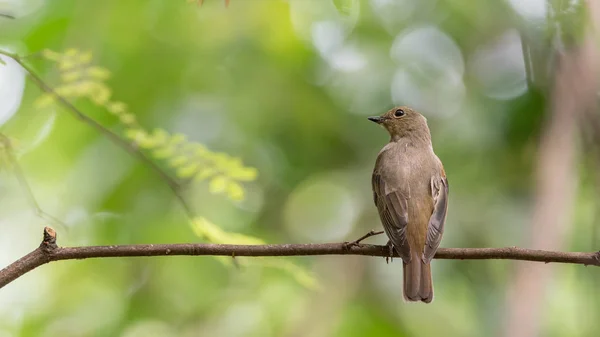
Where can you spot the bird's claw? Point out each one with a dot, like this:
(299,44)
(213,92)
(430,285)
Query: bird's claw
(390,257)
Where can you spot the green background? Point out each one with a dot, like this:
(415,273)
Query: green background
(287,87)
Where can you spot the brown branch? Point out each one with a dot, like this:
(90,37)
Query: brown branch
(48,251)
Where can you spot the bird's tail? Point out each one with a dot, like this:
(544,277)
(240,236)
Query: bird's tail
(418,285)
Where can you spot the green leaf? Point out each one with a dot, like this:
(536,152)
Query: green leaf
(243,173)
(200,150)
(178,161)
(134,134)
(127,118)
(207,230)
(116,107)
(218,184)
(67,90)
(101,95)
(164,152)
(204,173)
(70,76)
(161,136)
(66,64)
(178,138)
(187,171)
(71,52)
(144,141)
(84,58)
(235,191)
(44,100)
(51,55)
(98,73)
(301,275)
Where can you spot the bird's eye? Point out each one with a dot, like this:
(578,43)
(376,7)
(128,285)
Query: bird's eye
(399,113)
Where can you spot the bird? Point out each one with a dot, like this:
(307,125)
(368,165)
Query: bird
(410,190)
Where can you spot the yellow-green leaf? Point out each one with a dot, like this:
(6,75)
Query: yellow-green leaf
(71,52)
(164,152)
(127,118)
(44,100)
(98,73)
(242,239)
(178,138)
(178,161)
(70,76)
(160,135)
(204,173)
(187,171)
(85,58)
(244,173)
(145,141)
(301,275)
(66,64)
(220,159)
(116,107)
(218,184)
(101,95)
(50,55)
(66,90)
(206,229)
(200,150)
(140,137)
(235,191)
(135,133)
(84,88)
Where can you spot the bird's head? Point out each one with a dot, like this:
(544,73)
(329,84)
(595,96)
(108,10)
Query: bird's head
(403,121)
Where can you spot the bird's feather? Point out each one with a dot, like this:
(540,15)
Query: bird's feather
(435,228)
(392,205)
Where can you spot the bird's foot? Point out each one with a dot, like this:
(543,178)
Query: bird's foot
(390,257)
(357,242)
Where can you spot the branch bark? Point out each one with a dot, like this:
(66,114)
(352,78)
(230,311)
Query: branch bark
(49,251)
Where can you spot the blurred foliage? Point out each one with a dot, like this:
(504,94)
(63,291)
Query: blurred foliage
(285,85)
(212,233)
(191,160)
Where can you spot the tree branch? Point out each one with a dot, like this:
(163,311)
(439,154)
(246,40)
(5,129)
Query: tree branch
(48,251)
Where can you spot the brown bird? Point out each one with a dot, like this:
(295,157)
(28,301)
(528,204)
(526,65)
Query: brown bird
(411,193)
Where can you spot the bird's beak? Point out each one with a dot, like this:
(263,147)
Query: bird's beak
(376,119)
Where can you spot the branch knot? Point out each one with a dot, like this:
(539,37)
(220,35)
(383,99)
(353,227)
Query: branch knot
(49,242)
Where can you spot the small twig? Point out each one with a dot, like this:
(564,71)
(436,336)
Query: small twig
(48,251)
(8,16)
(22,180)
(366,236)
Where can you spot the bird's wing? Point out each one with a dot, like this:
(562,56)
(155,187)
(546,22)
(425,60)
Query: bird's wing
(435,229)
(392,205)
